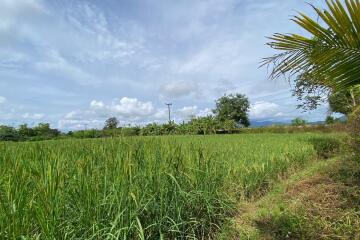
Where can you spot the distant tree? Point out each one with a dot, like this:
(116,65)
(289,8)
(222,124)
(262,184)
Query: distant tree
(298,122)
(24,131)
(111,123)
(330,120)
(44,130)
(8,134)
(233,107)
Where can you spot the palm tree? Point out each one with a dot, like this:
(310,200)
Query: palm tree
(330,55)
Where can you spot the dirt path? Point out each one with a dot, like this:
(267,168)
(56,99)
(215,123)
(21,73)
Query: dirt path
(320,202)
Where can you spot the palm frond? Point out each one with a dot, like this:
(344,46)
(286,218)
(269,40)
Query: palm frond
(331,54)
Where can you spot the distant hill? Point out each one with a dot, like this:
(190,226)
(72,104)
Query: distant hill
(258,123)
(267,123)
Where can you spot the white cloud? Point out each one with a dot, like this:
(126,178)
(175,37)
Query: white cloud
(125,107)
(56,64)
(179,89)
(132,107)
(97,105)
(71,115)
(264,110)
(161,114)
(2,100)
(76,124)
(33,116)
(204,112)
(12,11)
(187,112)
(91,22)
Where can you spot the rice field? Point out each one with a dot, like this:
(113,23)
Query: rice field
(174,187)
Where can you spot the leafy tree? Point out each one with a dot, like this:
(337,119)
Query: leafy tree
(309,92)
(344,101)
(330,120)
(25,131)
(298,122)
(151,129)
(168,128)
(111,123)
(44,130)
(8,134)
(229,125)
(233,107)
(330,54)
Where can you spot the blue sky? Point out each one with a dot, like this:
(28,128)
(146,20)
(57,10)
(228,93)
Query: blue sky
(74,62)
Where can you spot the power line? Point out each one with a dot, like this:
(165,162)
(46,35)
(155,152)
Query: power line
(169,105)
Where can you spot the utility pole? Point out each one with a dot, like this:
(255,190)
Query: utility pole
(86,125)
(169,105)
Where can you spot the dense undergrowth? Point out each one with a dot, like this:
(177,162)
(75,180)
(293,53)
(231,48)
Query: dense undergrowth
(139,188)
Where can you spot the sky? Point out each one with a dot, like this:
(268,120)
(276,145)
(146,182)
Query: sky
(74,63)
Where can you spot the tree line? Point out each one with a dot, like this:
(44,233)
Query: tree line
(230,115)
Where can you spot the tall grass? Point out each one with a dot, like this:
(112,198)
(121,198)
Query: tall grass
(137,188)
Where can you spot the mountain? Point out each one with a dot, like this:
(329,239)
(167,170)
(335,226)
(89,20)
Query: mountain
(256,123)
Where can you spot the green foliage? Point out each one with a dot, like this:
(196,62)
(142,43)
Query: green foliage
(329,120)
(344,101)
(354,131)
(298,122)
(326,147)
(330,54)
(111,123)
(233,107)
(205,125)
(43,130)
(179,187)
(309,92)
(24,133)
(8,134)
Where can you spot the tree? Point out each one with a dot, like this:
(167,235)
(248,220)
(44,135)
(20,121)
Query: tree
(44,130)
(298,122)
(8,134)
(24,131)
(309,92)
(233,107)
(330,55)
(111,123)
(330,120)
(344,101)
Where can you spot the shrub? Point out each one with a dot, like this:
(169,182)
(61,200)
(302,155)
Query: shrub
(354,131)
(326,147)
(298,122)
(8,134)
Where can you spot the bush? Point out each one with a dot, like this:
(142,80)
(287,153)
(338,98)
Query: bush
(298,122)
(8,134)
(354,131)
(326,147)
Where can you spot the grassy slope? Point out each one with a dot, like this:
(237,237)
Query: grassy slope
(320,202)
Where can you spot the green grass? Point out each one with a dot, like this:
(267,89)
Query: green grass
(138,188)
(322,201)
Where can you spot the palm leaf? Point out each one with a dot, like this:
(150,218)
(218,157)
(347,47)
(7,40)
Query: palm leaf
(331,54)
